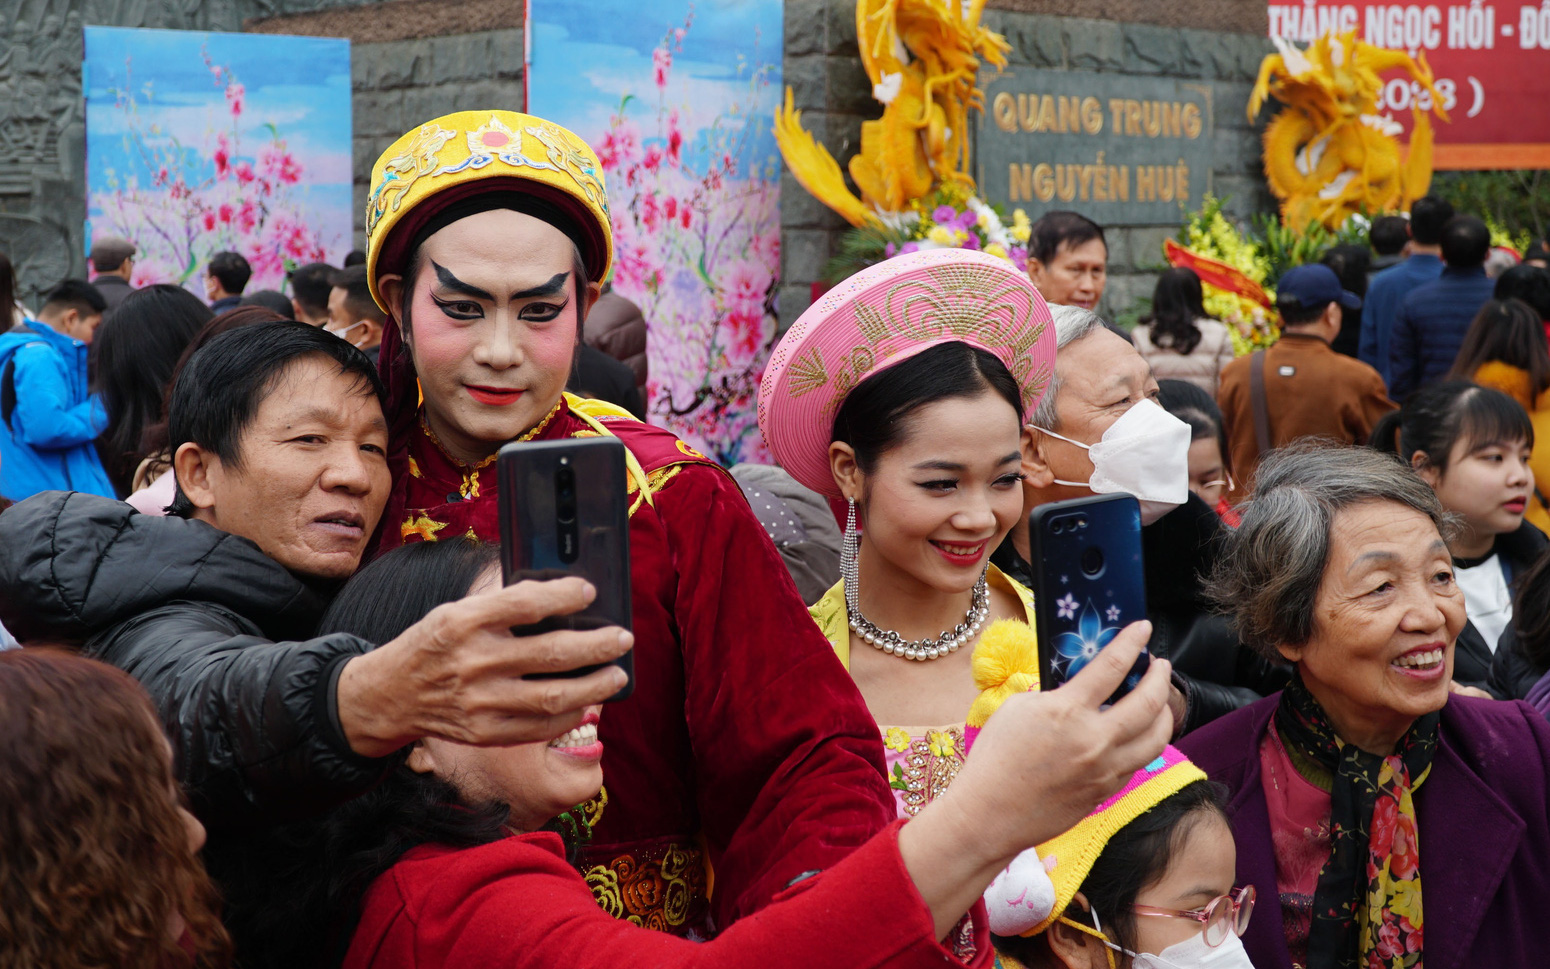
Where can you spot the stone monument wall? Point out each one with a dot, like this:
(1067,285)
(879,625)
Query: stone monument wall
(1177,51)
(415,59)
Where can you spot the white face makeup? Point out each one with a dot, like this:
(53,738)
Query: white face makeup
(493,322)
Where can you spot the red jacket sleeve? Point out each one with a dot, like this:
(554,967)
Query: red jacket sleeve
(516,904)
(788,758)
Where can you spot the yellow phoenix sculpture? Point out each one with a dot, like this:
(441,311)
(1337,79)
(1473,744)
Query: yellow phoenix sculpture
(922,57)
(1330,154)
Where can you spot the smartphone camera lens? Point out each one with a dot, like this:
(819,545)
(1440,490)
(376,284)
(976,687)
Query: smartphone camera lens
(1092,562)
(565,495)
(1058,526)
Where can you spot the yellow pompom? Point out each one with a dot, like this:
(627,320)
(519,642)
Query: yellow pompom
(1006,662)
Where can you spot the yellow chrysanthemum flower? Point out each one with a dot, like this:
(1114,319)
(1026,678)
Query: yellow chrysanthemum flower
(996,249)
(941,236)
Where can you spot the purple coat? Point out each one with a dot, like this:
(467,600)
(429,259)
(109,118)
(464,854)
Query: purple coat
(1484,826)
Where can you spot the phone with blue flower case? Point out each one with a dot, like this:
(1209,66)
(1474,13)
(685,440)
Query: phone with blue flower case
(1088,582)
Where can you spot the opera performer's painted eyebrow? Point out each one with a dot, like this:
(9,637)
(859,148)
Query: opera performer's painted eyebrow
(554,286)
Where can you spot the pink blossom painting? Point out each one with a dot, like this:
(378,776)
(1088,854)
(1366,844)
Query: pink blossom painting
(202,142)
(678,98)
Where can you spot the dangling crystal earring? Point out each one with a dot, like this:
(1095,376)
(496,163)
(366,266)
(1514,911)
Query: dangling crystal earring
(850,553)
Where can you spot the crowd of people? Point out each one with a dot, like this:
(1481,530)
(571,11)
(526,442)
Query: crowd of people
(273,705)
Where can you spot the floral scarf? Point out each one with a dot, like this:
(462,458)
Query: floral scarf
(1367,906)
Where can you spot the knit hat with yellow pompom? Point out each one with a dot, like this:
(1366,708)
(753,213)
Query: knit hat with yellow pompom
(1040,883)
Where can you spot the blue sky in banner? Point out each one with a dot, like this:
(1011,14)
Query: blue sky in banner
(301,85)
(585,54)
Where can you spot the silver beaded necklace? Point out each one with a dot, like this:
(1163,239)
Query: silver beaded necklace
(921,649)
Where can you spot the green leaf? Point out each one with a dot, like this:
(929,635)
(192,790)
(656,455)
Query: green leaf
(860,248)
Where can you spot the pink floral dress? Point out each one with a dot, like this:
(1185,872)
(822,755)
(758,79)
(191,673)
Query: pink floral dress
(921,761)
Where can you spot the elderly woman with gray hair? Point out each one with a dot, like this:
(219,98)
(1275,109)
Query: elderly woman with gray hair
(1366,778)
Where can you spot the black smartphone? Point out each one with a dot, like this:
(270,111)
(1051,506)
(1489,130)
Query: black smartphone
(564,510)
(1088,583)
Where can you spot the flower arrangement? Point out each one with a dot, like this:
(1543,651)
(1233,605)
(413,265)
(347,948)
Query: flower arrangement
(949,217)
(218,195)
(1209,234)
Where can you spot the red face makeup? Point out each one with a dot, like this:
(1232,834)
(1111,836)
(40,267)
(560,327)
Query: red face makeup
(494,318)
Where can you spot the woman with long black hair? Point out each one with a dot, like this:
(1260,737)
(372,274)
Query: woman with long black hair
(1473,446)
(135,354)
(1178,339)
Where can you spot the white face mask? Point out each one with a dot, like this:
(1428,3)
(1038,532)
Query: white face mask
(342,332)
(1145,453)
(1193,953)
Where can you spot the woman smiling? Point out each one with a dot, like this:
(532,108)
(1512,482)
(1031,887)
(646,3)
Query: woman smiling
(902,394)
(1366,778)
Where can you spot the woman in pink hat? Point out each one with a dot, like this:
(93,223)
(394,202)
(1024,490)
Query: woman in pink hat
(902,394)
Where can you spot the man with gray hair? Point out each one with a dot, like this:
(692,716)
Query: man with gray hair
(1103,391)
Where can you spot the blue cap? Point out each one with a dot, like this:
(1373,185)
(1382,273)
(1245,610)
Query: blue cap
(1314,285)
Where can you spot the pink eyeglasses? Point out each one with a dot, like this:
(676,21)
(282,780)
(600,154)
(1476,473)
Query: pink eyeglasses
(1221,915)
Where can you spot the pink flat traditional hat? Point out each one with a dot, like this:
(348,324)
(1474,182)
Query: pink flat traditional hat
(882,316)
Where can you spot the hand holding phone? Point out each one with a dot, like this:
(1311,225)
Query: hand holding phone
(564,510)
(1089,582)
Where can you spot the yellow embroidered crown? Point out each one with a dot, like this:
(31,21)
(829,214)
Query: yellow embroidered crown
(447,158)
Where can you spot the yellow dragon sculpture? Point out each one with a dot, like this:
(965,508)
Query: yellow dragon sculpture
(1330,154)
(922,57)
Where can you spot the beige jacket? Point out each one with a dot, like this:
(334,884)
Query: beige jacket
(1202,367)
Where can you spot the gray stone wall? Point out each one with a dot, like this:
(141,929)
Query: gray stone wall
(402,83)
(396,84)
(833,92)
(43,121)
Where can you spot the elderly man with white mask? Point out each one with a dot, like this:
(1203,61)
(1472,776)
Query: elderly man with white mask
(1100,430)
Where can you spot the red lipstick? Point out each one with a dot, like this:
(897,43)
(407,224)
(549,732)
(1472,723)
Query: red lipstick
(958,558)
(495,396)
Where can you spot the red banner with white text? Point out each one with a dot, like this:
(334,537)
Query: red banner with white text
(1491,61)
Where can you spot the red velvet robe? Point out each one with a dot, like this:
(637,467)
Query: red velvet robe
(745,743)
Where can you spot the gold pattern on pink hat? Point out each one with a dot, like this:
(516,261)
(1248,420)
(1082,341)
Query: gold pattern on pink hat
(882,316)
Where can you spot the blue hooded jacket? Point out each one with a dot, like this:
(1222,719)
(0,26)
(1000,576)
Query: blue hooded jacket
(46,444)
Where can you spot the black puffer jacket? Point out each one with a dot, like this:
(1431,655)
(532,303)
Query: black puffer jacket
(215,630)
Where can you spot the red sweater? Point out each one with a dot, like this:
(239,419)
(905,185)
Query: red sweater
(516,903)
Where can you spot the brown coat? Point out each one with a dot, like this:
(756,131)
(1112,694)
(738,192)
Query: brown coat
(1310,391)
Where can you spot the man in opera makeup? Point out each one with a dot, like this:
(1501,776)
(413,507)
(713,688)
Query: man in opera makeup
(744,748)
(492,340)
